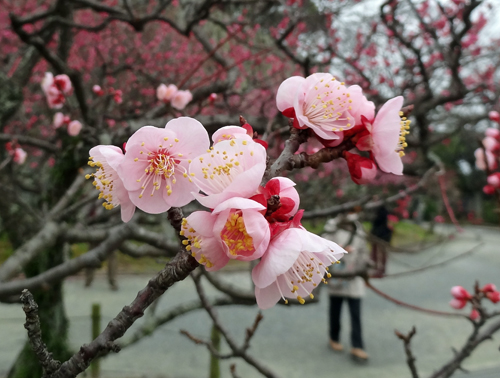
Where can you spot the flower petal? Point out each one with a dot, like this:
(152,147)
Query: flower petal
(268,296)
(286,92)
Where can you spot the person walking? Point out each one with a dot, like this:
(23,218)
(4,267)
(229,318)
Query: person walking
(347,232)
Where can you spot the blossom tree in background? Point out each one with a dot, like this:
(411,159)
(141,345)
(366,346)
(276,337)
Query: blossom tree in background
(83,76)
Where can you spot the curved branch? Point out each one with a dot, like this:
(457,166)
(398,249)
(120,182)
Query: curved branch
(92,258)
(45,238)
(22,139)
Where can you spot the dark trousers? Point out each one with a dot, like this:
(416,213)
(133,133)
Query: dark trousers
(355,311)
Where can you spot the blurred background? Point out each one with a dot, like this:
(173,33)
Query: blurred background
(442,56)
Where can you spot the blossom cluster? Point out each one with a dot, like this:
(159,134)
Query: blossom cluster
(461,297)
(55,89)
(250,219)
(177,98)
(336,114)
(17,154)
(488,156)
(169,167)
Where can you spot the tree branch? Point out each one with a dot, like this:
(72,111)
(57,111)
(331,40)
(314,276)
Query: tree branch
(32,325)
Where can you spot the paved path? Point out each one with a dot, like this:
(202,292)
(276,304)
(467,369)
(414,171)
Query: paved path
(293,340)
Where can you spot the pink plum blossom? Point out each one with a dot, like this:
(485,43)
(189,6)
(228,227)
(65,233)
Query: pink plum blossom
(155,167)
(97,90)
(458,304)
(74,128)
(63,83)
(459,292)
(481,161)
(494,180)
(493,296)
(360,106)
(117,96)
(107,160)
(212,97)
(318,102)
(491,144)
(181,99)
(494,116)
(55,88)
(59,119)
(489,189)
(294,264)
(493,133)
(362,170)
(166,93)
(385,138)
(231,168)
(236,229)
(19,156)
(489,288)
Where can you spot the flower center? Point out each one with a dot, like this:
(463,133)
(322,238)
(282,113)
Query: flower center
(193,243)
(103,181)
(161,166)
(223,166)
(405,126)
(235,236)
(328,106)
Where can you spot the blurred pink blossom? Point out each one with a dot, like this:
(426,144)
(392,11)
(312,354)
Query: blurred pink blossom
(181,99)
(74,128)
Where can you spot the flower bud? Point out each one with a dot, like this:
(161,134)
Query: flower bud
(489,288)
(458,304)
(493,296)
(362,170)
(474,314)
(459,292)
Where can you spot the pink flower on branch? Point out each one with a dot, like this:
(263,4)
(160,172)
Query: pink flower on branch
(19,156)
(485,160)
(97,90)
(236,229)
(74,128)
(385,137)
(494,116)
(181,99)
(294,264)
(231,168)
(166,93)
(155,168)
(107,159)
(55,88)
(493,296)
(318,102)
(59,120)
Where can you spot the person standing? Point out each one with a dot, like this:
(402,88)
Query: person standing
(346,232)
(382,237)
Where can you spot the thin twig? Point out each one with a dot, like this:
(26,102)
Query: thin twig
(410,359)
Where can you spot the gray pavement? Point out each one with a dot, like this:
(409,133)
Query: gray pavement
(293,340)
